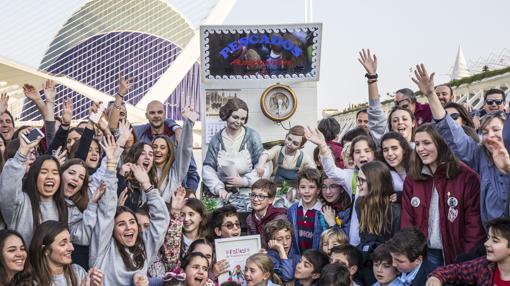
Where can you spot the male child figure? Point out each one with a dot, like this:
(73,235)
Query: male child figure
(350,257)
(279,240)
(288,159)
(493,269)
(408,249)
(382,265)
(305,215)
(262,196)
(225,222)
(308,270)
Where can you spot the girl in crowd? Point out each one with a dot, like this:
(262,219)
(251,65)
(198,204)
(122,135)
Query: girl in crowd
(196,268)
(38,199)
(362,151)
(379,218)
(396,153)
(337,204)
(495,181)
(50,255)
(441,198)
(400,120)
(237,147)
(117,245)
(259,271)
(15,269)
(194,223)
(462,118)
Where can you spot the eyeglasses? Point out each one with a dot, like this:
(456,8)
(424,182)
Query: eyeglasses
(496,101)
(230,225)
(455,116)
(360,181)
(333,187)
(254,196)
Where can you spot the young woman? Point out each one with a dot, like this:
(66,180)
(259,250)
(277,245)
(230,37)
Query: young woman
(235,144)
(379,219)
(494,181)
(38,199)
(396,153)
(50,255)
(362,151)
(14,265)
(172,163)
(259,271)
(462,118)
(441,198)
(117,246)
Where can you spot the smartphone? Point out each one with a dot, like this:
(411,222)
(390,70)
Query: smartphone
(94,117)
(33,135)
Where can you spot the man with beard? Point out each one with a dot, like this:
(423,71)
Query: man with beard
(160,125)
(445,94)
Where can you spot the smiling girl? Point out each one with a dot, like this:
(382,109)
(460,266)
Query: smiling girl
(14,266)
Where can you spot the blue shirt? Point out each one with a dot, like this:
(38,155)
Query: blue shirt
(395,282)
(407,278)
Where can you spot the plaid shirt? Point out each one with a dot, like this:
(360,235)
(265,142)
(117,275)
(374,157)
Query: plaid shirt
(478,271)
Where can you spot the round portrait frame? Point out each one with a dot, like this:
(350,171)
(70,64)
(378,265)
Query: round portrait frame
(272,90)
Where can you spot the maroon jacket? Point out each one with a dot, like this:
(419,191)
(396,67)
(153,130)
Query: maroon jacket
(256,226)
(461,227)
(422,113)
(336,149)
(478,271)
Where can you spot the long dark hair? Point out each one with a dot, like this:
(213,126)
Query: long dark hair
(413,119)
(403,144)
(81,197)
(23,278)
(30,188)
(468,126)
(444,155)
(137,251)
(169,160)
(375,207)
(44,236)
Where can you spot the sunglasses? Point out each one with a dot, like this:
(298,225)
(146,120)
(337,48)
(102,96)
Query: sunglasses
(455,116)
(496,101)
(230,225)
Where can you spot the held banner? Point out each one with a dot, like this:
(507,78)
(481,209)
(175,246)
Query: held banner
(261,52)
(236,250)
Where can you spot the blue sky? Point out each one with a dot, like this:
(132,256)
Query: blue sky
(401,32)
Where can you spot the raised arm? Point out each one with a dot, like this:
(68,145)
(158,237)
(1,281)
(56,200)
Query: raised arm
(425,83)
(124,86)
(33,95)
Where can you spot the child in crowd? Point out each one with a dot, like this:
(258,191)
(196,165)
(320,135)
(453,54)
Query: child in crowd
(408,248)
(335,274)
(279,235)
(287,159)
(382,266)
(306,215)
(332,237)
(308,270)
(492,269)
(350,257)
(331,128)
(225,222)
(262,196)
(259,271)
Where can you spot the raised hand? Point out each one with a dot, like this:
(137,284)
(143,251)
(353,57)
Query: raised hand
(67,111)
(123,197)
(99,192)
(278,247)
(49,91)
(125,169)
(109,146)
(499,154)
(141,176)
(60,155)
(329,215)
(31,93)
(124,133)
(188,112)
(24,147)
(368,61)
(4,102)
(124,85)
(315,136)
(424,81)
(178,199)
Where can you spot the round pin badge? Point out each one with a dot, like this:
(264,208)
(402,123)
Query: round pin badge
(452,202)
(415,202)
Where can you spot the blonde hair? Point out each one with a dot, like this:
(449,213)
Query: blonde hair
(336,234)
(264,262)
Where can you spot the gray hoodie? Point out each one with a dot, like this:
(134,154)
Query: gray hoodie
(15,205)
(60,280)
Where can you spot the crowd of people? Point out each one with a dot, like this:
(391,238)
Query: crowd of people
(418,196)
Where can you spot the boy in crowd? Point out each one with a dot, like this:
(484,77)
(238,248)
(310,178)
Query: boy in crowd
(262,196)
(308,270)
(225,222)
(335,275)
(305,215)
(279,239)
(350,257)
(493,269)
(287,159)
(382,266)
(408,249)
